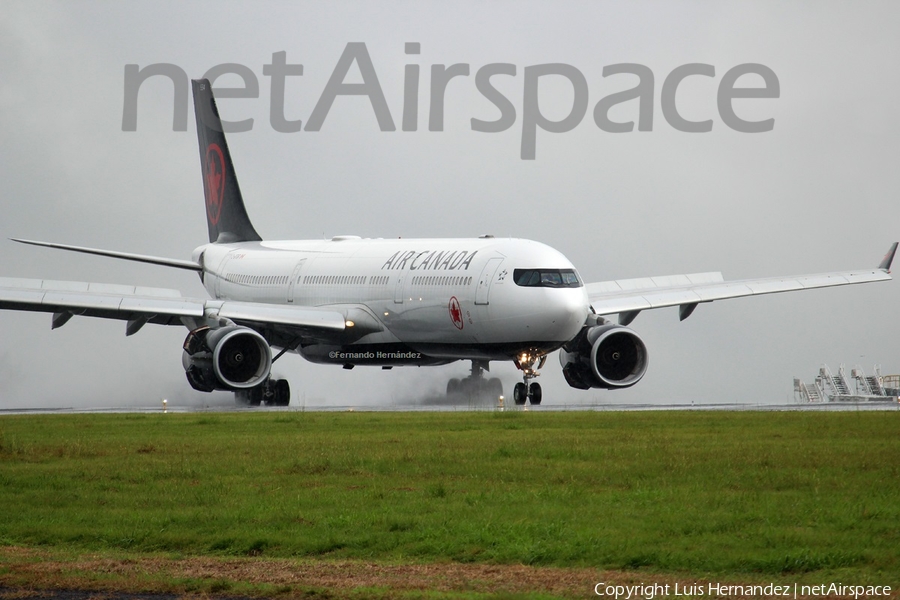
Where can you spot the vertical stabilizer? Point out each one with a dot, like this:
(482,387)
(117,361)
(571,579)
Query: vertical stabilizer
(225,213)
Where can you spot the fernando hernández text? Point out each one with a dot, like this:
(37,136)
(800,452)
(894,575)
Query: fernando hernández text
(650,591)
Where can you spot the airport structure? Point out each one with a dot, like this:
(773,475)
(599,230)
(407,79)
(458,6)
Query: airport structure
(829,387)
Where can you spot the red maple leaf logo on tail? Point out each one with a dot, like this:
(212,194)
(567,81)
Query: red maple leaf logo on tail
(215,182)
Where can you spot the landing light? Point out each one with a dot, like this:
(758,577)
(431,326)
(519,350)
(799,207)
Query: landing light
(349,323)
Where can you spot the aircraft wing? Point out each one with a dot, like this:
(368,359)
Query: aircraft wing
(141,305)
(628,297)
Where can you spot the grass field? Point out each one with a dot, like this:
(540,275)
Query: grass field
(738,496)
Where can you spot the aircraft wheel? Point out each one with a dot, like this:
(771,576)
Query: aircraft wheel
(453,387)
(520,394)
(282,393)
(535,394)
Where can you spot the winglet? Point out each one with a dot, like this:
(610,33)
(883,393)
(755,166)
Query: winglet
(888,259)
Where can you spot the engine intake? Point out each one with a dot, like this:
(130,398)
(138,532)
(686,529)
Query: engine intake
(604,356)
(229,358)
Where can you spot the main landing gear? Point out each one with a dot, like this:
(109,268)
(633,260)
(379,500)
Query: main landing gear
(525,362)
(274,392)
(476,386)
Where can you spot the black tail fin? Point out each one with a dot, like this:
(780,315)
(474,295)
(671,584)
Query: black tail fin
(225,213)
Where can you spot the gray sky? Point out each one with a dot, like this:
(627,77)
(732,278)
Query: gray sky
(818,193)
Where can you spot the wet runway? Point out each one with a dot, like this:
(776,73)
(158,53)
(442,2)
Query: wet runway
(173,407)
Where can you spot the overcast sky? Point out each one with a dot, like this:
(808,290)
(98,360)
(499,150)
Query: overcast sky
(817,193)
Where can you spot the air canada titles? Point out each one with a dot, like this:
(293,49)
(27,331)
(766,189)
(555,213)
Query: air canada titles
(435,260)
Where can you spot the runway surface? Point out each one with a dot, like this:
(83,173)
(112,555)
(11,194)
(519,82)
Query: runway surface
(595,407)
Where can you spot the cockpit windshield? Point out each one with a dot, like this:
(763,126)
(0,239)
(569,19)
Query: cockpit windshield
(546,278)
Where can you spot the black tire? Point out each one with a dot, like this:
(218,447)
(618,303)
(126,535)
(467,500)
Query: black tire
(520,394)
(282,393)
(535,394)
(453,388)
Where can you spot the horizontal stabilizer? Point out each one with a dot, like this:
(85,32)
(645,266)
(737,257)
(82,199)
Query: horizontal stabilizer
(155,260)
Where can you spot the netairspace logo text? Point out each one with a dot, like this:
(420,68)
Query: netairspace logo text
(441,75)
(719,590)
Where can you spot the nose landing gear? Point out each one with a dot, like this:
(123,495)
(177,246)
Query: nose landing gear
(525,362)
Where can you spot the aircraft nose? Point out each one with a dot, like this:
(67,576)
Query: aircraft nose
(574,311)
(563,313)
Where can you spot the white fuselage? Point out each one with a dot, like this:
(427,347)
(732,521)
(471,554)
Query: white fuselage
(448,299)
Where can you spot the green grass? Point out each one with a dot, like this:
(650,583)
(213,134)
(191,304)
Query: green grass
(756,495)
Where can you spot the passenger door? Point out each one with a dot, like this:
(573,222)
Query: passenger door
(482,292)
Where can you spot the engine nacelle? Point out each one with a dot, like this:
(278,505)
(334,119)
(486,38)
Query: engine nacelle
(604,356)
(228,358)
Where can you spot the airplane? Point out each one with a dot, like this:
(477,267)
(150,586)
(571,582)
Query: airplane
(351,301)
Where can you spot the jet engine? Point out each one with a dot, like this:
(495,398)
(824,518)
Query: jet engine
(604,356)
(228,358)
